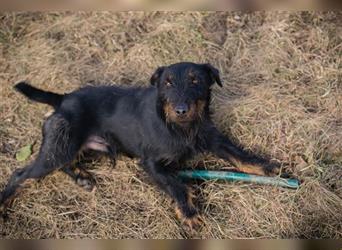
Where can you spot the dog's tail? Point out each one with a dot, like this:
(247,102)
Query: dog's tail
(39,95)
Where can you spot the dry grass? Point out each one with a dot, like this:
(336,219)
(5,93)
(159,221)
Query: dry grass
(282,97)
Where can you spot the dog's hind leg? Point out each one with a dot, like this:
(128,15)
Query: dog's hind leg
(93,144)
(102,144)
(60,145)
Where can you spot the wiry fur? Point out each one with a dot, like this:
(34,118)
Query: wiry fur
(137,122)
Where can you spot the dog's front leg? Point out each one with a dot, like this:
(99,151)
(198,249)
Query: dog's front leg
(179,192)
(221,146)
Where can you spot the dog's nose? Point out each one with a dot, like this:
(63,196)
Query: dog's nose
(181,109)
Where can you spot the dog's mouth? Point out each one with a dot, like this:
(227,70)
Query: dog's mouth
(194,113)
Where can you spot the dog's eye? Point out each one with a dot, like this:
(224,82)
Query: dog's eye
(168,83)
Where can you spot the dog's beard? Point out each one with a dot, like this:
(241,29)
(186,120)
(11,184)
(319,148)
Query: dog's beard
(193,117)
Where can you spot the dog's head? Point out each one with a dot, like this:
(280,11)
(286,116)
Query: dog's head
(184,90)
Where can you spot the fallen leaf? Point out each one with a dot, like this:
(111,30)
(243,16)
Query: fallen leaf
(24,153)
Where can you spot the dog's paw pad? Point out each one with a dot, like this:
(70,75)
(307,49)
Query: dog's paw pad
(86,183)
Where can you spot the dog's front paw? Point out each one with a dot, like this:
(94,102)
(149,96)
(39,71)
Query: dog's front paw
(272,168)
(192,222)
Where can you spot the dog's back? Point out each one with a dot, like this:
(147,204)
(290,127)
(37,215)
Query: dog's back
(124,115)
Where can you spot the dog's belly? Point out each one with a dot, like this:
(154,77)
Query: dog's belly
(166,154)
(96,143)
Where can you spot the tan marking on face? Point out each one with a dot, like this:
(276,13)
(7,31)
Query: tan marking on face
(200,107)
(169,112)
(196,111)
(193,77)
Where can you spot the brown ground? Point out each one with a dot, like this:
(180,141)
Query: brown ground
(282,97)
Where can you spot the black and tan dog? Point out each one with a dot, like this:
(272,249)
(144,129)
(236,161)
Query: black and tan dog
(162,125)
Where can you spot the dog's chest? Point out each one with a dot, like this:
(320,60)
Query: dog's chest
(176,150)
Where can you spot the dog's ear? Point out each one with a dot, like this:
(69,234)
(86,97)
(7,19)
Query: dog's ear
(214,74)
(155,78)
